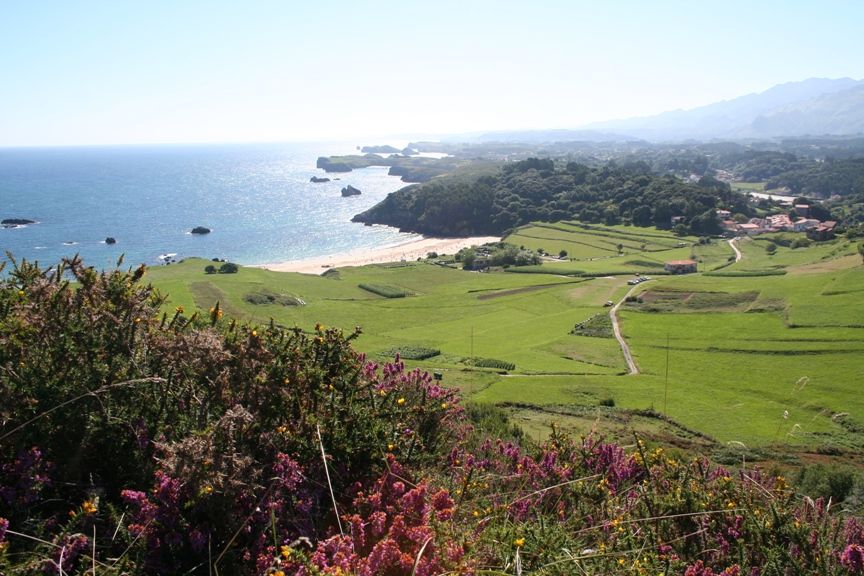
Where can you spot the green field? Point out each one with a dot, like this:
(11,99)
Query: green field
(774,362)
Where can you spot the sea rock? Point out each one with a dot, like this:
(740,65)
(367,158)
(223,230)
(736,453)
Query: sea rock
(15,222)
(386,149)
(201,230)
(350,191)
(110,240)
(318,180)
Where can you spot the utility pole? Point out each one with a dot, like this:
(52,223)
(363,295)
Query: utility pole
(666,386)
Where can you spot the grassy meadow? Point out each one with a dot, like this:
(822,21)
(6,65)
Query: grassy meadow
(740,360)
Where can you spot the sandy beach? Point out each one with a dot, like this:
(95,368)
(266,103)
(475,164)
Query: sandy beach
(408,251)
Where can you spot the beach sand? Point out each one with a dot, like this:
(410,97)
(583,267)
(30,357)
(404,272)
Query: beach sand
(409,251)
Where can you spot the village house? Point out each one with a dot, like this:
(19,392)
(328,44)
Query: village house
(749,229)
(802,210)
(724,214)
(779,222)
(729,226)
(680,266)
(803,224)
(824,231)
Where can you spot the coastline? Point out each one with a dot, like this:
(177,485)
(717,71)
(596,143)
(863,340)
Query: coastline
(408,251)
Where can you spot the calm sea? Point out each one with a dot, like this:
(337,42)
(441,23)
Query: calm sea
(257,200)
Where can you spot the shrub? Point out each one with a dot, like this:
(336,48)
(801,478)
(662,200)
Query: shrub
(228,268)
(745,273)
(411,352)
(267,297)
(210,269)
(597,326)
(385,290)
(179,429)
(491,363)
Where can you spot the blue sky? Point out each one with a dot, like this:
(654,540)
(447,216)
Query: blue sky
(123,71)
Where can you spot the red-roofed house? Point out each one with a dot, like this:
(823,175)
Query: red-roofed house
(824,231)
(680,266)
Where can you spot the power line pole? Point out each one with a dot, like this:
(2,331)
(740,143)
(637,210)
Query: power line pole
(666,386)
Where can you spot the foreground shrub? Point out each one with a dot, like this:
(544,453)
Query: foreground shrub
(192,427)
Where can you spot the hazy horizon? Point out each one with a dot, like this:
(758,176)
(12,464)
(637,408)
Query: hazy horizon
(208,73)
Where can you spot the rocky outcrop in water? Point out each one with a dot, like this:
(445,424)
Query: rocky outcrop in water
(110,240)
(350,191)
(15,222)
(318,179)
(201,230)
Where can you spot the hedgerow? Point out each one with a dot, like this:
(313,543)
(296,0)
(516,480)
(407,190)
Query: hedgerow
(385,290)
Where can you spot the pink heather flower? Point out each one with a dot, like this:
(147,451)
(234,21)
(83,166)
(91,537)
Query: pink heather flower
(443,505)
(4,525)
(853,558)
(698,569)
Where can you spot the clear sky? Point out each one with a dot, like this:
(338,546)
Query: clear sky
(131,71)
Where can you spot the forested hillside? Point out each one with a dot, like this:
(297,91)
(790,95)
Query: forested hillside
(539,189)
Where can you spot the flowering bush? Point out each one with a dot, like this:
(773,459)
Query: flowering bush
(159,443)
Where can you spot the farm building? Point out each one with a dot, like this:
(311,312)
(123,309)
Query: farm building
(824,231)
(750,229)
(680,266)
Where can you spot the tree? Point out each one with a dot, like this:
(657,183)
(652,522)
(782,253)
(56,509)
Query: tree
(228,268)
(468,258)
(210,269)
(562,254)
(771,248)
(641,216)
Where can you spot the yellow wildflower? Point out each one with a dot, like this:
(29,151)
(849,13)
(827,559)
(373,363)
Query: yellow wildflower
(254,333)
(137,320)
(179,309)
(400,401)
(90,506)
(443,405)
(286,551)
(519,542)
(206,490)
(390,447)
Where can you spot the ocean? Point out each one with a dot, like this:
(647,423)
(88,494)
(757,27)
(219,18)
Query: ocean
(256,198)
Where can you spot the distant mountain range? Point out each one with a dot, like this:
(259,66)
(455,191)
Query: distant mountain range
(813,107)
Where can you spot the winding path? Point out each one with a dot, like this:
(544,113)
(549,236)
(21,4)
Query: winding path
(625,349)
(735,249)
(613,315)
